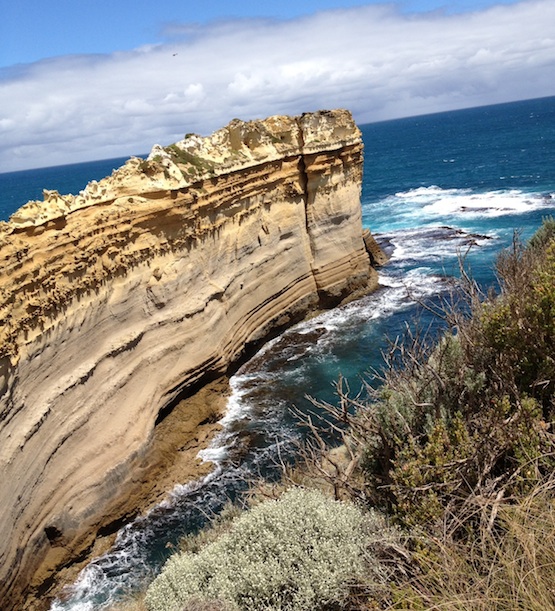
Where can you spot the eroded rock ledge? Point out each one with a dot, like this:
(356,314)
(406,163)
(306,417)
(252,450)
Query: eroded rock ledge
(114,301)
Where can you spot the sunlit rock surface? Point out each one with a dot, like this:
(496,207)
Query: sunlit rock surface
(115,300)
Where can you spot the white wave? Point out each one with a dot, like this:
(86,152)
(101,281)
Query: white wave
(433,205)
(434,202)
(427,193)
(181,490)
(431,244)
(214,455)
(92,579)
(376,305)
(81,606)
(493,203)
(237,409)
(396,292)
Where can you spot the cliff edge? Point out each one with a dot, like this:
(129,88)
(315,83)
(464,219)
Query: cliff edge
(116,300)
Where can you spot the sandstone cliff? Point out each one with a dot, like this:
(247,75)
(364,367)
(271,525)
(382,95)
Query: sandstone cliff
(115,301)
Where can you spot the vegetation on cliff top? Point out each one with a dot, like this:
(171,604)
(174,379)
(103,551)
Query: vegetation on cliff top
(457,449)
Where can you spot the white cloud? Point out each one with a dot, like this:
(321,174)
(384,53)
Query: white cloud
(374,60)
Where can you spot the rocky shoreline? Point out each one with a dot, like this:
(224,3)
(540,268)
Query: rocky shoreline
(172,459)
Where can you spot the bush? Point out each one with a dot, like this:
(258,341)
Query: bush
(468,418)
(517,331)
(543,235)
(302,551)
(194,163)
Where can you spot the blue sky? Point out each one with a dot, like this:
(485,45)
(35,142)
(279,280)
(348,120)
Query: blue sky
(82,80)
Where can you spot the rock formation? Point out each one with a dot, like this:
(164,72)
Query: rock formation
(115,301)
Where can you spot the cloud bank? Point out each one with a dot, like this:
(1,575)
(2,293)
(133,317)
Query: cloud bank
(373,60)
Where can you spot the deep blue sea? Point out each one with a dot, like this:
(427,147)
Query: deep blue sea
(436,188)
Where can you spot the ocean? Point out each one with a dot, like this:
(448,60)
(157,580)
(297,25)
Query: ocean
(437,189)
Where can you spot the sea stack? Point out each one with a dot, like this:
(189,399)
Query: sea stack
(115,301)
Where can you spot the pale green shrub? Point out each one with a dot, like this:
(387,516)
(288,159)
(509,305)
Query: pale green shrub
(302,551)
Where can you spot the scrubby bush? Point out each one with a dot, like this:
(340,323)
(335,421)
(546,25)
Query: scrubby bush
(194,163)
(302,551)
(468,419)
(543,235)
(517,330)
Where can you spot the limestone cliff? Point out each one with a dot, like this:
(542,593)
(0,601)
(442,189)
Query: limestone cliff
(114,301)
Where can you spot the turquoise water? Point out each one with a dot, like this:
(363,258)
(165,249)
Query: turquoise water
(435,188)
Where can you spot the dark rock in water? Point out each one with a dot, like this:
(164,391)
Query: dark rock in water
(453,233)
(377,255)
(385,244)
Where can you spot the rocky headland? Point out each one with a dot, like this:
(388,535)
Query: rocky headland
(117,302)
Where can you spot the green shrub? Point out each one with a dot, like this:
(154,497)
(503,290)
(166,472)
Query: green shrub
(517,331)
(543,235)
(193,163)
(302,551)
(471,417)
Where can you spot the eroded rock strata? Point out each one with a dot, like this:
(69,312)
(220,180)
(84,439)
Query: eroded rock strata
(114,301)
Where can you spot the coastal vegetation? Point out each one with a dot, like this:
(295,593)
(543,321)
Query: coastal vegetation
(299,552)
(443,494)
(193,163)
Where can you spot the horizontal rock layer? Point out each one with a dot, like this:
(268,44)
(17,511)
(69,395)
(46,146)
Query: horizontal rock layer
(115,301)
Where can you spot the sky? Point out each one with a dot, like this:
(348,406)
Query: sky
(85,80)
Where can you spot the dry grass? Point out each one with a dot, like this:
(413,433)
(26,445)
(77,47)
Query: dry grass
(508,567)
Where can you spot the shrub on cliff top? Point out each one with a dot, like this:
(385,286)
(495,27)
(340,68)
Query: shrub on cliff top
(299,552)
(507,568)
(472,419)
(468,420)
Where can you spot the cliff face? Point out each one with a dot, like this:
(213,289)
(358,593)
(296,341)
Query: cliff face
(114,301)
